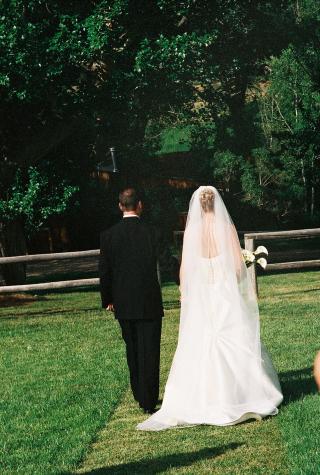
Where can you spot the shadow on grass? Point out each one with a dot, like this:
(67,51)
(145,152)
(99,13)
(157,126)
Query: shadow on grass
(297,384)
(295,292)
(161,464)
(171,304)
(49,313)
(19,300)
(285,271)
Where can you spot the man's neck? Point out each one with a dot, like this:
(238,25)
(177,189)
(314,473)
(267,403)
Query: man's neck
(129,214)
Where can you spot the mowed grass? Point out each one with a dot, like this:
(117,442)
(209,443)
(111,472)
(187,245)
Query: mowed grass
(63,370)
(63,402)
(290,307)
(285,444)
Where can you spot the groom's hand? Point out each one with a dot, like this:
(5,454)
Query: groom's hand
(110,307)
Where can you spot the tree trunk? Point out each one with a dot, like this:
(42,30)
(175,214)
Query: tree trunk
(312,188)
(304,181)
(13,243)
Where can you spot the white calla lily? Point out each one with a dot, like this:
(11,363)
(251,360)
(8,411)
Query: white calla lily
(262,262)
(258,256)
(261,250)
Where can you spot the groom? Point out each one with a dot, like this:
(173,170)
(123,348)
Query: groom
(129,287)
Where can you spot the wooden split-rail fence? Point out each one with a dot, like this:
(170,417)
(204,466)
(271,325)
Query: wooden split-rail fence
(250,244)
(250,240)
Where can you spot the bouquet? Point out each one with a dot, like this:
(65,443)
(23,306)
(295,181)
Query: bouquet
(256,257)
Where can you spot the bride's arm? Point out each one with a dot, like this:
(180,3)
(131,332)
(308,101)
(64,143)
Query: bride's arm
(236,250)
(181,280)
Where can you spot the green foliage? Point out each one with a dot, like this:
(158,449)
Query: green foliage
(225,168)
(175,140)
(35,198)
(270,182)
(292,102)
(290,112)
(237,76)
(29,48)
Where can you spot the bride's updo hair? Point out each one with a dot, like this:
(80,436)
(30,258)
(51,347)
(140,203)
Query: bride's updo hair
(207,200)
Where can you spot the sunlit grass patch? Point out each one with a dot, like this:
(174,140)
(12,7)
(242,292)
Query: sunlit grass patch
(62,373)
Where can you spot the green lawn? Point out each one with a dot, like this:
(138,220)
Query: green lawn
(62,373)
(65,406)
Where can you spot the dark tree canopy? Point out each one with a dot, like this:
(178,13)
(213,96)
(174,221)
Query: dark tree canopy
(241,77)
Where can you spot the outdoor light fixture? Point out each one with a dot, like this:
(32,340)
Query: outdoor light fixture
(103,167)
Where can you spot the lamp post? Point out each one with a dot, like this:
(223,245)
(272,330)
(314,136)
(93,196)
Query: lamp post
(112,167)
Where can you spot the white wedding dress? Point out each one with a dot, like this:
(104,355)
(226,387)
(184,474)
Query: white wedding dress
(220,374)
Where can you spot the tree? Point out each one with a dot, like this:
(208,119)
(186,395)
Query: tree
(77,77)
(31,201)
(291,117)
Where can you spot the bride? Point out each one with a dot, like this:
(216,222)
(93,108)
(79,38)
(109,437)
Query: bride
(221,374)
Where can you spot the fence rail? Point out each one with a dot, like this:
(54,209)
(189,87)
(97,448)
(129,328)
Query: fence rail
(48,257)
(315,263)
(249,239)
(49,285)
(295,233)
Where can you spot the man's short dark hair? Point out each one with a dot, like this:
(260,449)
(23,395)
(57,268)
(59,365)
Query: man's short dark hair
(129,199)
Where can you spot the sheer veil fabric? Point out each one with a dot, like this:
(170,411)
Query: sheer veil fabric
(221,374)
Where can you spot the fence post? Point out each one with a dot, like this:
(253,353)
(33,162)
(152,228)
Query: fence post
(249,245)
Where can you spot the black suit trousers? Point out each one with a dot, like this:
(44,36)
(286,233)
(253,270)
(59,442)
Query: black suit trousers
(142,339)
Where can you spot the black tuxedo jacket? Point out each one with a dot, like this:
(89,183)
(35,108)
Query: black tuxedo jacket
(128,270)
